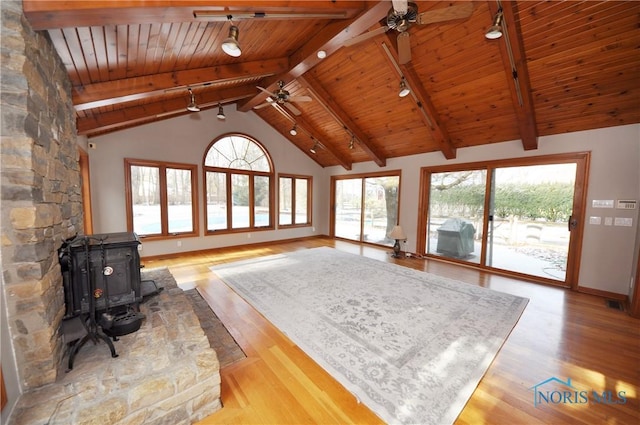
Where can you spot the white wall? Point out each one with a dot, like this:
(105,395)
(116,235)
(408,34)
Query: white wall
(607,258)
(607,255)
(184,139)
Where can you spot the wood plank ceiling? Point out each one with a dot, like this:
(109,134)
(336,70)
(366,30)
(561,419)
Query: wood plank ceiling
(563,66)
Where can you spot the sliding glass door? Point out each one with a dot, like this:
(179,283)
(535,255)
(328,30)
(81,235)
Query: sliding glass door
(365,208)
(529,219)
(519,216)
(456,212)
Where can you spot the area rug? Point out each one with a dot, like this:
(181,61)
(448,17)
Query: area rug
(225,346)
(410,345)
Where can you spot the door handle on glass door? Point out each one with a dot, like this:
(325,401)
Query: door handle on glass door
(573,223)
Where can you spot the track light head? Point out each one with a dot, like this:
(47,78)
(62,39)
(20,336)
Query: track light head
(192,106)
(404,90)
(230,45)
(220,114)
(293,130)
(495,30)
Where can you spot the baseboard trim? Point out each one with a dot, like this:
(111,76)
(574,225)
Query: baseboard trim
(604,294)
(217,249)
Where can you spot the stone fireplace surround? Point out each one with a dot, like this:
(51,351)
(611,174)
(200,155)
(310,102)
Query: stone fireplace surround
(166,372)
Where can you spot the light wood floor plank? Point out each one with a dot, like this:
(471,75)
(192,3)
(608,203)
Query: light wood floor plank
(561,333)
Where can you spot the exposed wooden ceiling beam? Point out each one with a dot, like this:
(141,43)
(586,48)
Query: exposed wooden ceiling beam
(305,126)
(515,66)
(126,117)
(332,107)
(330,39)
(110,92)
(47,14)
(428,112)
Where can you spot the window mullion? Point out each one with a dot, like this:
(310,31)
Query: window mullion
(164,207)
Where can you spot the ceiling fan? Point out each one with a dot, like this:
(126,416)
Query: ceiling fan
(282,97)
(404,14)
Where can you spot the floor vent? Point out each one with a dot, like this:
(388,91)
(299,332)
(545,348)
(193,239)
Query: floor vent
(616,305)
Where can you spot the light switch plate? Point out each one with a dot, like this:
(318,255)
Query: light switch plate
(595,220)
(608,221)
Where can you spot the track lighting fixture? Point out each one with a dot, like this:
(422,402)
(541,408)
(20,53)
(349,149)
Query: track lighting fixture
(220,114)
(293,130)
(495,30)
(404,89)
(192,106)
(352,143)
(231,46)
(314,149)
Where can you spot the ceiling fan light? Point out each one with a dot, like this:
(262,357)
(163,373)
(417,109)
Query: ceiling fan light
(495,30)
(404,90)
(231,46)
(220,113)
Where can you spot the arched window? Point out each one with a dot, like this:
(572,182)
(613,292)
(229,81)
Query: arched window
(238,178)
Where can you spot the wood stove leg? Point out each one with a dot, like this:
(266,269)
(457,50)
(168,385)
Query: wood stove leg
(76,348)
(109,343)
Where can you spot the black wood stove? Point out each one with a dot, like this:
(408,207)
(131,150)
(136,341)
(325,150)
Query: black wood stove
(102,288)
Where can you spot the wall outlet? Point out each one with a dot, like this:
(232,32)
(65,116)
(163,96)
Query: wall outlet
(248,235)
(140,247)
(179,243)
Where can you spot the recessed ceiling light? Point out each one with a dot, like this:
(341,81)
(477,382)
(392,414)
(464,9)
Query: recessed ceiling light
(321,54)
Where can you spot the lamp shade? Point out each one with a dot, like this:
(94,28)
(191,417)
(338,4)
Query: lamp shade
(397,233)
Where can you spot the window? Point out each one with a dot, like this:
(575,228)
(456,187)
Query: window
(238,180)
(294,200)
(161,198)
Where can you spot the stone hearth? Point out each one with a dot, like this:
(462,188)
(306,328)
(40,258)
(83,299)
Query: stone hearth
(166,373)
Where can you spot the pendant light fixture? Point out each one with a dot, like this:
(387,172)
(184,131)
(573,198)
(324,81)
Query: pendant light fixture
(495,30)
(192,106)
(220,114)
(230,45)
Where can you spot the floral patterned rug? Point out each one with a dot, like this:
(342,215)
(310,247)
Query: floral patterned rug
(410,345)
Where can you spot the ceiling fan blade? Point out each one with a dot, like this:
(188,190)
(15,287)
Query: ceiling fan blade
(265,104)
(458,11)
(264,90)
(292,108)
(400,6)
(300,99)
(404,48)
(365,36)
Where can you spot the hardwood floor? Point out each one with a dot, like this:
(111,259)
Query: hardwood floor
(561,334)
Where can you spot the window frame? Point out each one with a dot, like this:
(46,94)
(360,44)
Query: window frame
(363,177)
(164,207)
(295,178)
(229,172)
